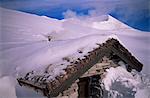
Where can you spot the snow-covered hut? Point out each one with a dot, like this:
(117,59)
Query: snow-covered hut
(82,77)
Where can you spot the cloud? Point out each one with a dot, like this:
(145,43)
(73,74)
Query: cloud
(69,14)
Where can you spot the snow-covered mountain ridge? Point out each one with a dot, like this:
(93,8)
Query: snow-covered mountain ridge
(24,44)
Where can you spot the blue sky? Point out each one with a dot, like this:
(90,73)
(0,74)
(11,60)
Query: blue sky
(135,13)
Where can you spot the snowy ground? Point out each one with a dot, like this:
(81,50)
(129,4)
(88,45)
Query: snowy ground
(24,47)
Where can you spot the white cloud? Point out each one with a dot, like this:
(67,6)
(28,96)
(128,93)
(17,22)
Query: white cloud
(69,14)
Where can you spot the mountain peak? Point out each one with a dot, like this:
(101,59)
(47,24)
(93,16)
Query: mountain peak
(110,24)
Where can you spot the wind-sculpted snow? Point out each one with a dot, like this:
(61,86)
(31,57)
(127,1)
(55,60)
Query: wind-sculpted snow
(30,42)
(121,84)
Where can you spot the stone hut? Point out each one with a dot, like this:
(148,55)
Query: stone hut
(83,77)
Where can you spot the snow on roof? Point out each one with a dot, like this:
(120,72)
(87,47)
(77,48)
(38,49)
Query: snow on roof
(25,46)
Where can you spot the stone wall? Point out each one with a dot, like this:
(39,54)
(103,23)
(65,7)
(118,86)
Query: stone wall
(71,92)
(100,68)
(97,69)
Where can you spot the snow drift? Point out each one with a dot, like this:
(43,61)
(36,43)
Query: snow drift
(24,45)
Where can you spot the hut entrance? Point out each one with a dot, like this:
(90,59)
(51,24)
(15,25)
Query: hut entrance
(89,87)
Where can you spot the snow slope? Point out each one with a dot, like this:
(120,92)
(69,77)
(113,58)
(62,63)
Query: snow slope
(24,44)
